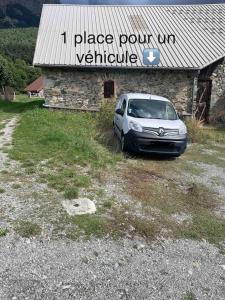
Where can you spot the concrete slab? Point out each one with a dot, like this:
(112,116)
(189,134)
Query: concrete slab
(81,206)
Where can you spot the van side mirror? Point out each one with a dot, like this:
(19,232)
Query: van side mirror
(119,112)
(180,116)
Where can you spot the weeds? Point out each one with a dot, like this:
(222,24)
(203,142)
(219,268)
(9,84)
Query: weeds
(205,226)
(2,190)
(104,119)
(152,191)
(16,186)
(3,232)
(190,296)
(197,133)
(104,124)
(65,140)
(89,225)
(71,193)
(27,229)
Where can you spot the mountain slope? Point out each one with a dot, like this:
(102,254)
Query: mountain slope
(21,13)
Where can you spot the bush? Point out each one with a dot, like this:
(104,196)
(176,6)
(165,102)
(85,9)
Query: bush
(106,114)
(104,123)
(196,133)
(27,229)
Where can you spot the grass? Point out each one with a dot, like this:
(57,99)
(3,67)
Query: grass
(71,193)
(196,154)
(24,104)
(89,226)
(27,229)
(204,135)
(154,189)
(124,220)
(3,232)
(65,140)
(190,296)
(62,137)
(116,226)
(108,204)
(205,226)
(16,186)
(2,190)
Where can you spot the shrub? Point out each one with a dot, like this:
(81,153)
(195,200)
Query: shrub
(71,193)
(3,232)
(2,190)
(27,229)
(104,123)
(105,116)
(196,133)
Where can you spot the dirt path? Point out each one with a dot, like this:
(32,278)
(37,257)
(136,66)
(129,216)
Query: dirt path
(22,197)
(6,139)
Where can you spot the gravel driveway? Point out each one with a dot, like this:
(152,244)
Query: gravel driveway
(45,268)
(106,269)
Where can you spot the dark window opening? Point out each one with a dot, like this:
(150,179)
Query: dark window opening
(109,89)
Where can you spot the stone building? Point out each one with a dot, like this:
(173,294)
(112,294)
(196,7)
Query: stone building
(77,46)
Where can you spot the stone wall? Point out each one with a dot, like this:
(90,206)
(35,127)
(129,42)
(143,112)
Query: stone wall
(218,93)
(84,89)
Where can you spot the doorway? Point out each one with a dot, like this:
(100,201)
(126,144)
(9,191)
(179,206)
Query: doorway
(203,100)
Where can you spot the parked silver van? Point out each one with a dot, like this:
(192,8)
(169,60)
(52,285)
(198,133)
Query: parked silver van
(149,123)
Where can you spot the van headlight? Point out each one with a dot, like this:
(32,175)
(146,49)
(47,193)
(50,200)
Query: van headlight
(183,131)
(135,126)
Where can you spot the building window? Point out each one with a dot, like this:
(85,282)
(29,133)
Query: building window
(109,89)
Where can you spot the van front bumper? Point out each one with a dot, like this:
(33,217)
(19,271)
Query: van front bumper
(144,142)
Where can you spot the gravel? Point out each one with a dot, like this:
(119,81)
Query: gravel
(107,269)
(210,173)
(5,139)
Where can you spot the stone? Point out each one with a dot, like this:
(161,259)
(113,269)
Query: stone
(84,89)
(223,267)
(116,266)
(131,228)
(85,260)
(182,217)
(66,287)
(81,206)
(139,246)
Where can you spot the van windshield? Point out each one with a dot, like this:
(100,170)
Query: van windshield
(151,109)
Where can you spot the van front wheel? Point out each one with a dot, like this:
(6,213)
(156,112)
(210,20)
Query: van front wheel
(123,143)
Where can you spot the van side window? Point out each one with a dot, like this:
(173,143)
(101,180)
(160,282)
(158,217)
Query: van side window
(124,104)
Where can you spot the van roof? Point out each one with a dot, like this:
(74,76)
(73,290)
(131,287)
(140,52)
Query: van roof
(145,96)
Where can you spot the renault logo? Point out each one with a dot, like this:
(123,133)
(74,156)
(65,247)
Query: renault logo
(161,131)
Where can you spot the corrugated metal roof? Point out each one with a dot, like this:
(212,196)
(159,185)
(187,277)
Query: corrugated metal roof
(199,31)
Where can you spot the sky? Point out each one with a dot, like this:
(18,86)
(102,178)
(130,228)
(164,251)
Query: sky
(141,2)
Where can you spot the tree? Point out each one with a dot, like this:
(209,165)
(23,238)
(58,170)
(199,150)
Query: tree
(5,72)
